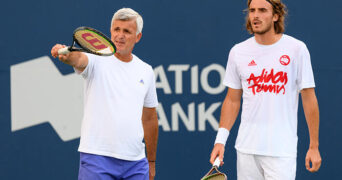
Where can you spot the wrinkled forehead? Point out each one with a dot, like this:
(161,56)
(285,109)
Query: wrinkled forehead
(125,23)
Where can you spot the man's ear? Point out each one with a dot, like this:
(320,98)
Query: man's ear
(275,17)
(138,37)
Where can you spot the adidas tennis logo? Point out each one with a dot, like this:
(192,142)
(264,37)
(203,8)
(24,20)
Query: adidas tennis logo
(252,63)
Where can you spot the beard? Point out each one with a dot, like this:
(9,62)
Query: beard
(267,28)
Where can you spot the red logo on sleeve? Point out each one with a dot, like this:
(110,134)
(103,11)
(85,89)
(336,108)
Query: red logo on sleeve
(268,82)
(284,60)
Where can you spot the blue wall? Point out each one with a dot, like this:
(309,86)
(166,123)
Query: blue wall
(191,33)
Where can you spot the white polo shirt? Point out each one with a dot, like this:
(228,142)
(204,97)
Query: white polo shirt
(114,96)
(271,77)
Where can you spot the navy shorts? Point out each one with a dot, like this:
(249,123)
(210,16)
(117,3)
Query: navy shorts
(96,167)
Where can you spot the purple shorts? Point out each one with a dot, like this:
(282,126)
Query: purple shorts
(96,167)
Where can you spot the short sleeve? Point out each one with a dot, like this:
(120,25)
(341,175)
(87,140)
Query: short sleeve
(305,77)
(151,99)
(232,78)
(90,67)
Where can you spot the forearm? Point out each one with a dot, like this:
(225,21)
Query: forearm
(78,60)
(312,119)
(150,124)
(151,140)
(229,112)
(311,111)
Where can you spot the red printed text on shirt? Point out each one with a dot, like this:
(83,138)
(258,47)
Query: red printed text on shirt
(268,81)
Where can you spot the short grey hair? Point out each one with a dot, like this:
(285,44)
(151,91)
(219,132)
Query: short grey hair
(126,14)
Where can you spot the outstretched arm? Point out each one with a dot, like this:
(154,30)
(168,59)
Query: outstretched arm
(311,111)
(78,60)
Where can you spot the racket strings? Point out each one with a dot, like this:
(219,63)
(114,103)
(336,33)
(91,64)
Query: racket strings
(215,177)
(93,42)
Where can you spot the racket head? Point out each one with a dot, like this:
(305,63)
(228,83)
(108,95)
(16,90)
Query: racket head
(93,41)
(215,176)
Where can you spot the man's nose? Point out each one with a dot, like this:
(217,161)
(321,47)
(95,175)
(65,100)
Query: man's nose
(120,34)
(256,14)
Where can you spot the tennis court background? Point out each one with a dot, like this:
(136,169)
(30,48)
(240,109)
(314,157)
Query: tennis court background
(178,36)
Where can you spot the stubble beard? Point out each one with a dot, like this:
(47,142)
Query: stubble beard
(263,31)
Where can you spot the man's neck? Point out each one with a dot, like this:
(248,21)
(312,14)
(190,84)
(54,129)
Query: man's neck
(267,38)
(124,57)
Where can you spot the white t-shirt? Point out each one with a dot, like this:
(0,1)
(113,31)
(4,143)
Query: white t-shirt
(114,96)
(271,77)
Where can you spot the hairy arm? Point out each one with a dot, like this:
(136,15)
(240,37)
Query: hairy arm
(150,124)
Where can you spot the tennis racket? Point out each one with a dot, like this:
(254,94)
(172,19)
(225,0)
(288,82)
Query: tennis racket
(91,41)
(215,176)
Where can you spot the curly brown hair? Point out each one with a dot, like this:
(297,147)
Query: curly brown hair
(278,8)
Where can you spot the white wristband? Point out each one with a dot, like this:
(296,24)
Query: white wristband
(222,136)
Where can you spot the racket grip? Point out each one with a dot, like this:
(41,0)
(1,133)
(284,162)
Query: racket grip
(64,51)
(217,162)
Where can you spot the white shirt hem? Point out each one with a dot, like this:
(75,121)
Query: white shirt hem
(114,155)
(263,153)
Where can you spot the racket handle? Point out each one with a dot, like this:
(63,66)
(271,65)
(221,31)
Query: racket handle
(217,162)
(64,51)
